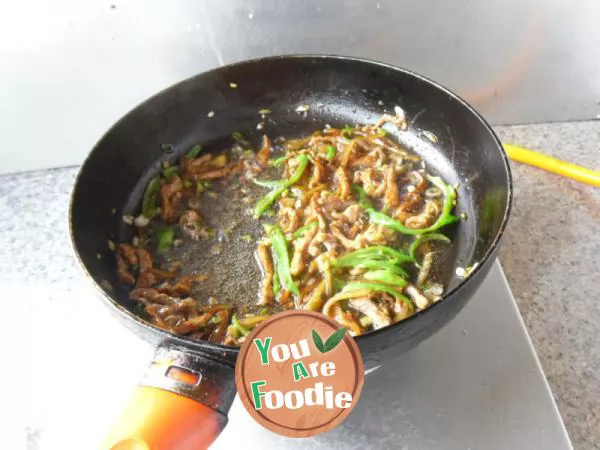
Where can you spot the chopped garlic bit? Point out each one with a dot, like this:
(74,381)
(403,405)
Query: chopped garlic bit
(128,219)
(141,221)
(260,125)
(302,108)
(211,114)
(111,245)
(233,85)
(465,272)
(470,269)
(135,241)
(399,112)
(429,135)
(380,102)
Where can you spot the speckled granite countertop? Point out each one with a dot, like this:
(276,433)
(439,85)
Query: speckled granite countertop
(551,256)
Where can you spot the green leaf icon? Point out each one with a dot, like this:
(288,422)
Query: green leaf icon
(318,341)
(331,342)
(334,340)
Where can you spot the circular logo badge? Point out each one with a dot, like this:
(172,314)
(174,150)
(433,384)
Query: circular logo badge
(299,374)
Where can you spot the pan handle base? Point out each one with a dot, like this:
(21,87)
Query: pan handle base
(181,403)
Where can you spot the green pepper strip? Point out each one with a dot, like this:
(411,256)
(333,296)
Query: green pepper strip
(195,151)
(149,200)
(238,326)
(375,252)
(240,139)
(251,321)
(381,265)
(300,231)
(331,151)
(165,239)
(347,132)
(426,237)
(265,202)
(338,284)
(386,276)
(282,259)
(276,284)
(302,163)
(363,198)
(315,302)
(278,161)
(446,218)
(380,287)
(168,172)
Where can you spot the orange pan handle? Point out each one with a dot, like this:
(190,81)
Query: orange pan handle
(159,419)
(181,404)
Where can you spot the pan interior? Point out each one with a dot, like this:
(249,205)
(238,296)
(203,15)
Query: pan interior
(338,91)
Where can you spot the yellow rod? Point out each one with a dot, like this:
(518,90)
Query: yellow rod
(553,165)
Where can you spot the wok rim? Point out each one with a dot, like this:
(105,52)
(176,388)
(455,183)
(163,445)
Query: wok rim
(171,337)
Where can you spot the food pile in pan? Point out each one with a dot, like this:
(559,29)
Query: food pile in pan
(350,226)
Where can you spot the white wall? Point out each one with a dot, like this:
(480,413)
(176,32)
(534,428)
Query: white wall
(69,69)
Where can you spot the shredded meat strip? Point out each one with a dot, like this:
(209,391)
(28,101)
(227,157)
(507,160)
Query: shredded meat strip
(128,252)
(300,249)
(344,183)
(144,258)
(181,287)
(371,309)
(350,215)
(182,307)
(217,173)
(392,195)
(416,296)
(318,174)
(150,295)
(263,154)
(315,211)
(266,267)
(351,244)
(419,179)
(192,324)
(370,182)
(328,240)
(346,319)
(196,165)
(426,218)
(168,191)
(374,158)
(123,272)
(409,203)
(289,219)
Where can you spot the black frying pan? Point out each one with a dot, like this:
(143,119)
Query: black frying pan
(339,91)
